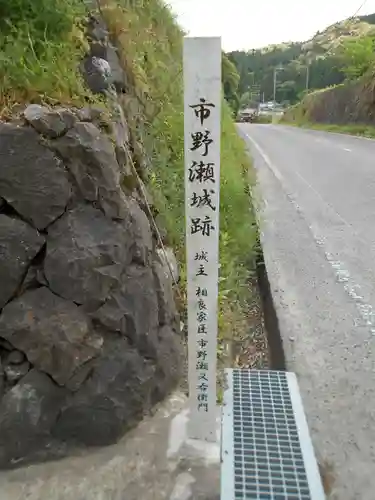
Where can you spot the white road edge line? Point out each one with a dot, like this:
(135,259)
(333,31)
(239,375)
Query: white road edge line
(347,149)
(266,159)
(365,310)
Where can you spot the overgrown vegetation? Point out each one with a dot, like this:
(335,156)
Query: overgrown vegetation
(231,80)
(347,108)
(41,45)
(357,56)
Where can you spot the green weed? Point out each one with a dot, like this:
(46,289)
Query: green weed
(41,45)
(350,129)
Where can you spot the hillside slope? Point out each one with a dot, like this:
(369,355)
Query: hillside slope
(348,107)
(320,53)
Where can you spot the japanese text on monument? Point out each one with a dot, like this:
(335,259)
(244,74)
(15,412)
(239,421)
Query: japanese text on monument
(202,176)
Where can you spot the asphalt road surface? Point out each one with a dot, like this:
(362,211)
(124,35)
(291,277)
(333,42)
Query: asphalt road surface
(318,234)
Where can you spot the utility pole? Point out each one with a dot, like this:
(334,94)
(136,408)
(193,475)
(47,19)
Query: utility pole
(274,85)
(254,90)
(307,76)
(275,70)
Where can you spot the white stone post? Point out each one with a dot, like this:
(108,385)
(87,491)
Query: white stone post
(202,109)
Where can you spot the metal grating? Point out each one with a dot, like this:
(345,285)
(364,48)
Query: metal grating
(267,452)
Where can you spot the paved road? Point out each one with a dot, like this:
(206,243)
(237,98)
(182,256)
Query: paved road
(319,242)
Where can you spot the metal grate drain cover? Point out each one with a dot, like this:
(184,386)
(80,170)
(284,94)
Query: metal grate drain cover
(266,447)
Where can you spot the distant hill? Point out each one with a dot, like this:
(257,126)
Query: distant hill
(256,67)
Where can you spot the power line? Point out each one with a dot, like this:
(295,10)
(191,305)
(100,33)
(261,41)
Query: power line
(359,8)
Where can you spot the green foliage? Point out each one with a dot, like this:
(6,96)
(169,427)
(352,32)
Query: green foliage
(343,108)
(231,79)
(41,44)
(258,66)
(244,100)
(43,20)
(370,19)
(357,56)
(350,129)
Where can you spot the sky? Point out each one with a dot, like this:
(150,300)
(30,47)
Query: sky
(248,24)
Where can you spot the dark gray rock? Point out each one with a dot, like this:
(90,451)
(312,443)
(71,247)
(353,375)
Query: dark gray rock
(27,413)
(140,159)
(120,128)
(141,233)
(84,114)
(121,137)
(144,199)
(51,123)
(98,49)
(169,366)
(91,114)
(19,244)
(162,232)
(128,178)
(40,276)
(97,29)
(86,255)
(32,180)
(5,345)
(80,375)
(133,310)
(167,308)
(31,280)
(170,263)
(2,380)
(53,333)
(15,358)
(117,76)
(110,402)
(14,373)
(91,158)
(96,74)
(34,278)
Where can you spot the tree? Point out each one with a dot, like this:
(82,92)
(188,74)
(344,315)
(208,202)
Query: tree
(244,100)
(357,56)
(230,78)
(287,91)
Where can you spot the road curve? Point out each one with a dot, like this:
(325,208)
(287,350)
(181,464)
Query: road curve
(318,234)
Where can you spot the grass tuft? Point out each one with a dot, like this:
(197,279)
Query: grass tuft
(350,129)
(41,45)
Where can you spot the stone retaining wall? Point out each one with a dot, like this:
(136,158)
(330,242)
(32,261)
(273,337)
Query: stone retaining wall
(89,332)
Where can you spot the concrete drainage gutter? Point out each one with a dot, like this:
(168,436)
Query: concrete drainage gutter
(271,322)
